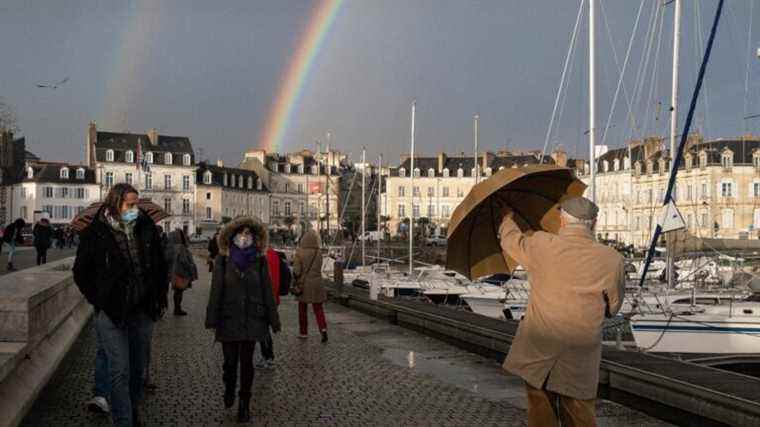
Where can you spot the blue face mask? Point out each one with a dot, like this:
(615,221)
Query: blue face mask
(130,215)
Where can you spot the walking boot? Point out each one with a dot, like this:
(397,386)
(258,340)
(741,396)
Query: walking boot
(11,267)
(229,397)
(324,337)
(244,409)
(179,312)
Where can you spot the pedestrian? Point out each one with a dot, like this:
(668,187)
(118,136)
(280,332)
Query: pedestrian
(70,238)
(121,271)
(575,283)
(307,269)
(13,236)
(241,306)
(182,268)
(43,237)
(213,251)
(58,237)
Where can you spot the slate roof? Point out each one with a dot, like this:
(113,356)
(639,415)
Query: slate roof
(465,162)
(50,172)
(217,176)
(120,143)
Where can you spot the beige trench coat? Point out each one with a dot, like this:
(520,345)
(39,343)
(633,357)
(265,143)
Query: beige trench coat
(308,273)
(574,282)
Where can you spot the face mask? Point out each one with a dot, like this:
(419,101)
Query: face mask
(130,215)
(242,241)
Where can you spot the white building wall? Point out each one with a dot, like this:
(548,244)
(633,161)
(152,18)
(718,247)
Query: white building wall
(63,206)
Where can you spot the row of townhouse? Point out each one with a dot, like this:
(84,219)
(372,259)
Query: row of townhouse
(717,190)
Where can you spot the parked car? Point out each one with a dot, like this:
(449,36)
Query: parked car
(436,241)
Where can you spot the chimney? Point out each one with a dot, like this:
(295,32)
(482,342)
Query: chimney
(89,148)
(560,157)
(441,161)
(153,136)
(487,160)
(220,163)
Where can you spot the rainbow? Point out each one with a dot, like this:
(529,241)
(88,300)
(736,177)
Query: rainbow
(290,90)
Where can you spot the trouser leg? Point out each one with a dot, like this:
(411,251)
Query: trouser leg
(541,407)
(44,256)
(231,351)
(102,380)
(11,253)
(177,300)
(319,313)
(577,412)
(140,328)
(39,256)
(246,368)
(303,321)
(116,346)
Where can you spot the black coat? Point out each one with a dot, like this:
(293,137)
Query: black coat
(43,236)
(241,305)
(101,271)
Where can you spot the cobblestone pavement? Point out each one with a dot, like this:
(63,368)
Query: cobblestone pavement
(370,373)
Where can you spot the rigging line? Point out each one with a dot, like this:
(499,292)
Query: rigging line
(562,79)
(563,103)
(625,65)
(746,74)
(706,97)
(644,62)
(654,82)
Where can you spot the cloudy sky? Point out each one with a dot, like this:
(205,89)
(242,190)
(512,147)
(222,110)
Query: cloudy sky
(211,71)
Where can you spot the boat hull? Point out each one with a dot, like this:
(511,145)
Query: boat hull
(696,336)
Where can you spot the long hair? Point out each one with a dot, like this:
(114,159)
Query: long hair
(116,197)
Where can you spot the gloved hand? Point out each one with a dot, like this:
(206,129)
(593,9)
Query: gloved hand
(163,305)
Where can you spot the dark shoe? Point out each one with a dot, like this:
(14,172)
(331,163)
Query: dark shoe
(229,398)
(324,337)
(11,267)
(137,420)
(179,312)
(244,410)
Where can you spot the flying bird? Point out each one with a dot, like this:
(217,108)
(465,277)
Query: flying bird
(53,86)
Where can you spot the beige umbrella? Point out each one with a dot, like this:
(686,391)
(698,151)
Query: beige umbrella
(532,192)
(84,218)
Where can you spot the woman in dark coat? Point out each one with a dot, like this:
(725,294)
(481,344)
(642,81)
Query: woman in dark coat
(121,271)
(181,264)
(241,306)
(43,237)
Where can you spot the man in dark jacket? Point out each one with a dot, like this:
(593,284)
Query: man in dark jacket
(121,271)
(43,237)
(13,236)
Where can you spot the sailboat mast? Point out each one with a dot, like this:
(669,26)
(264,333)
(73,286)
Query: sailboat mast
(475,135)
(364,213)
(592,96)
(377,203)
(411,177)
(673,124)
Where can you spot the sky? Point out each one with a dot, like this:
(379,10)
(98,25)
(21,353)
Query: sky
(212,71)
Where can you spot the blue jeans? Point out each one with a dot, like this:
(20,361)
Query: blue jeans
(126,350)
(102,379)
(11,251)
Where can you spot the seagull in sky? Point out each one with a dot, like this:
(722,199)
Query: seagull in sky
(53,86)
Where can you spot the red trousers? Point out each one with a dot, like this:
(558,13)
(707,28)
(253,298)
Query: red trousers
(303,321)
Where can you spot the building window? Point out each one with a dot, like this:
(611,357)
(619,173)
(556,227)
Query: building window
(276,208)
(287,187)
(315,170)
(415,191)
(48,192)
(250,183)
(109,155)
(81,193)
(688,159)
(168,158)
(208,214)
(401,191)
(148,181)
(431,172)
(312,210)
(259,185)
(64,173)
(208,195)
(702,159)
(186,160)
(756,160)
(689,194)
(727,218)
(185,206)
(207,177)
(415,210)
(756,219)
(460,173)
(168,205)
(109,179)
(186,183)
(402,172)
(22,192)
(705,192)
(431,192)
(287,208)
(727,159)
(445,192)
(445,172)
(416,172)
(302,208)
(80,173)
(704,219)
(167,182)
(430,211)
(300,187)
(726,189)
(460,192)
(129,156)
(128,178)
(445,211)
(401,211)
(149,157)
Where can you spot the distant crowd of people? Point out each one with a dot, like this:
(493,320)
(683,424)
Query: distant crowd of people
(44,235)
(125,266)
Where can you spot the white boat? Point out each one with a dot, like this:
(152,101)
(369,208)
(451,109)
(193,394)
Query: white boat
(723,329)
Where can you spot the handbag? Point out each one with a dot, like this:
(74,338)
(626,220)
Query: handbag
(297,289)
(180,283)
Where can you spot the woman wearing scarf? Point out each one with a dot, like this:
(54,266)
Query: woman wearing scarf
(307,269)
(120,269)
(241,306)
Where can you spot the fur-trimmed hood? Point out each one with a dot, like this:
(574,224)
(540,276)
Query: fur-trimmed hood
(258,229)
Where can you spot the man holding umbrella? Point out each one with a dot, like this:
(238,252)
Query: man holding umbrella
(575,283)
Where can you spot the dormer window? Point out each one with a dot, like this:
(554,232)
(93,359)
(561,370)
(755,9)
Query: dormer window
(287,168)
(489,171)
(626,163)
(431,172)
(315,170)
(226,179)
(402,172)
(168,158)
(445,172)
(129,156)
(616,165)
(29,172)
(241,181)
(662,165)
(606,166)
(416,172)
(472,172)
(207,177)
(259,185)
(149,157)
(300,169)
(727,159)
(250,183)
(702,159)
(186,159)
(650,167)
(637,167)
(460,173)
(64,173)
(689,161)
(109,155)
(80,173)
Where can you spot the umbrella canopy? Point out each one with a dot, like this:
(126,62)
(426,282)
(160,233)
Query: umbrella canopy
(532,192)
(81,221)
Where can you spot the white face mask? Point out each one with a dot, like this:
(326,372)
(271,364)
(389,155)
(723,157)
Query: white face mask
(243,241)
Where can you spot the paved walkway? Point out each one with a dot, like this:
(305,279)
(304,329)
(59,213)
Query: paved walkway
(370,373)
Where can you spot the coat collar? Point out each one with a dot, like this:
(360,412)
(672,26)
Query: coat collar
(576,230)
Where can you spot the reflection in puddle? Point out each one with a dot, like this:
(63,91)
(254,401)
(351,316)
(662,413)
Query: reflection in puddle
(410,359)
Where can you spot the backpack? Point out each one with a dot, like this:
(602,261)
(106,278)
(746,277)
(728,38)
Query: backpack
(285,278)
